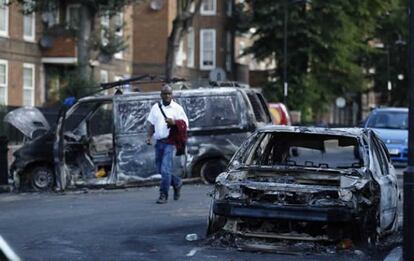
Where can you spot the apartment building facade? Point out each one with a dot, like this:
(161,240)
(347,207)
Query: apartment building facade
(206,51)
(37,51)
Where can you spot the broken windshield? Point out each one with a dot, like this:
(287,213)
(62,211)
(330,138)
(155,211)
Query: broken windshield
(305,150)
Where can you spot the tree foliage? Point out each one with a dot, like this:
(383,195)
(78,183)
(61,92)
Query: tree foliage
(329,47)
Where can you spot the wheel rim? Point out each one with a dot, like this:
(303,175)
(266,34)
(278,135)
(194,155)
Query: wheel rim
(42,179)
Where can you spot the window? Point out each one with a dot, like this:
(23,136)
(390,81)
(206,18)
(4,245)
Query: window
(180,55)
(104,28)
(3,81)
(4,18)
(104,78)
(28,24)
(229,7)
(73,16)
(28,84)
(208,7)
(190,48)
(208,49)
(228,51)
(206,112)
(119,23)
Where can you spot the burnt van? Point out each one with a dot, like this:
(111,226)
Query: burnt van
(100,140)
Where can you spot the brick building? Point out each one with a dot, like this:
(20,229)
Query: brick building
(38,50)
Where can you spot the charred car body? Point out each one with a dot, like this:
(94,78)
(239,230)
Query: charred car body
(292,183)
(101,139)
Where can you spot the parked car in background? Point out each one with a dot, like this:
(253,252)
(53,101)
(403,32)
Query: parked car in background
(280,114)
(391,124)
(101,139)
(311,184)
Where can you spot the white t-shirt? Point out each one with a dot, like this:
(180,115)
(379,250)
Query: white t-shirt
(155,117)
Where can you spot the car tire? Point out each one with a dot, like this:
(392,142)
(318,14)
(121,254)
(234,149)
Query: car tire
(210,169)
(42,178)
(214,222)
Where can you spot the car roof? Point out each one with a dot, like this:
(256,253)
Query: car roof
(198,91)
(351,132)
(391,109)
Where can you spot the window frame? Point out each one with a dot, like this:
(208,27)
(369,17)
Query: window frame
(68,22)
(207,12)
(5,85)
(33,87)
(202,47)
(32,18)
(119,55)
(5,33)
(105,75)
(190,48)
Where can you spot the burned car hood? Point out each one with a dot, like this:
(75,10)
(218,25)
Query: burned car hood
(29,120)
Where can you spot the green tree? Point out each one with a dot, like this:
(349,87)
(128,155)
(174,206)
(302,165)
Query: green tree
(328,43)
(89,11)
(390,60)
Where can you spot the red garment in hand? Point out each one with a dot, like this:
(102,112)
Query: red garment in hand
(178,136)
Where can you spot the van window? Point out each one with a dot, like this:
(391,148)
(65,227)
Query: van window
(259,113)
(212,111)
(132,116)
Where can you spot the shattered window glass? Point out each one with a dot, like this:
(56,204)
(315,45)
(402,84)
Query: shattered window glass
(132,116)
(211,111)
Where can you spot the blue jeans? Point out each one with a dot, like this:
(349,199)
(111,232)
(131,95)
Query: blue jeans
(164,154)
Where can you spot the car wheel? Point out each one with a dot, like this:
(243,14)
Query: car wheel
(369,234)
(214,222)
(42,178)
(210,169)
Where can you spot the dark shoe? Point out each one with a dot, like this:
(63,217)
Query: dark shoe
(162,199)
(177,192)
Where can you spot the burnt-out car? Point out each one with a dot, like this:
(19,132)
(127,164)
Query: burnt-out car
(311,184)
(101,139)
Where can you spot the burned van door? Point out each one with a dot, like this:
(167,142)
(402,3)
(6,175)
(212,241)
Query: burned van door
(59,154)
(134,159)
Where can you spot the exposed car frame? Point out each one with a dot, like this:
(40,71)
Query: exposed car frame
(305,201)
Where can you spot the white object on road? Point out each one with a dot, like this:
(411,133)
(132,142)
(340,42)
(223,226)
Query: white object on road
(193,251)
(191,237)
(7,251)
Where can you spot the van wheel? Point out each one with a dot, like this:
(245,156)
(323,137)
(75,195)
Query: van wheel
(210,169)
(42,178)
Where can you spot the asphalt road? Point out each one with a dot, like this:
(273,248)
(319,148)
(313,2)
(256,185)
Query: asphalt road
(120,225)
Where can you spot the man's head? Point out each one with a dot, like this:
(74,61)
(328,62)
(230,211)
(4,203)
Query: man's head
(166,94)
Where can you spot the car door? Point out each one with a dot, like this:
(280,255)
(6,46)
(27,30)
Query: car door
(135,160)
(379,166)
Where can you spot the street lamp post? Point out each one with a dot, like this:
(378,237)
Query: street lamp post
(285,82)
(408,228)
(285,49)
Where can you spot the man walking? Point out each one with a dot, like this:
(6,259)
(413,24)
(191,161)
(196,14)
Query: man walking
(162,118)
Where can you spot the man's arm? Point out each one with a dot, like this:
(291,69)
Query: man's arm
(150,132)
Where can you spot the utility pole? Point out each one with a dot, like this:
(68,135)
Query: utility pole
(408,228)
